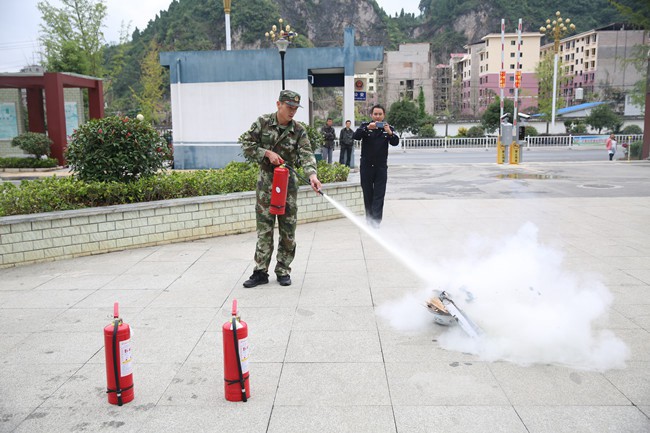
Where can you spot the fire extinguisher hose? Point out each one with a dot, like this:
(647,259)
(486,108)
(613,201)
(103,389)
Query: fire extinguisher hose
(241,374)
(117,389)
(293,170)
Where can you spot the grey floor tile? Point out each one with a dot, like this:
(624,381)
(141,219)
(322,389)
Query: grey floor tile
(335,318)
(442,383)
(583,419)
(358,419)
(328,384)
(633,381)
(176,317)
(76,320)
(105,298)
(235,418)
(169,345)
(331,346)
(126,419)
(28,385)
(336,296)
(458,419)
(47,298)
(87,387)
(265,296)
(189,297)
(420,347)
(82,280)
(638,341)
(555,386)
(11,417)
(203,385)
(26,320)
(57,348)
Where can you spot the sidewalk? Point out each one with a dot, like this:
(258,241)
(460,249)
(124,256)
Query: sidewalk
(323,360)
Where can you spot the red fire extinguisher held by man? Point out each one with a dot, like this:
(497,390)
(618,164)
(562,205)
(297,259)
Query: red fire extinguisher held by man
(279,190)
(235,358)
(119,360)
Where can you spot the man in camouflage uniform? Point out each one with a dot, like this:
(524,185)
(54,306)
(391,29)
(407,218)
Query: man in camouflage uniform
(272,140)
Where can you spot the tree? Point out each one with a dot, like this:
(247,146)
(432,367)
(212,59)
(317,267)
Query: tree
(403,116)
(72,36)
(421,106)
(151,79)
(544,73)
(604,117)
(490,120)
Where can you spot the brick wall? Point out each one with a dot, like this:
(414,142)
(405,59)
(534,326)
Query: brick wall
(50,236)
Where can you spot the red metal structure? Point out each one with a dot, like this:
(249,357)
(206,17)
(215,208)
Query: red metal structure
(48,88)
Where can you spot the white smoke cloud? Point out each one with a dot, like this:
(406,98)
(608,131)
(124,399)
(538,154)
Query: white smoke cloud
(531,309)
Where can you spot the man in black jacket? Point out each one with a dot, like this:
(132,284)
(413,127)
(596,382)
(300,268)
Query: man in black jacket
(375,138)
(329,135)
(347,143)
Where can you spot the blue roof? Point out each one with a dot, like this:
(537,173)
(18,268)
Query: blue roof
(579,107)
(574,108)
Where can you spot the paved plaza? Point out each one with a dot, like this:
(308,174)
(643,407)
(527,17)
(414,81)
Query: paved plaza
(322,359)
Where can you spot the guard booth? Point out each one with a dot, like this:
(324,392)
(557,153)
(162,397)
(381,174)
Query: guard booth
(505,140)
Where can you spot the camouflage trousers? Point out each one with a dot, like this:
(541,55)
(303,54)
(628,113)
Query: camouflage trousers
(266,224)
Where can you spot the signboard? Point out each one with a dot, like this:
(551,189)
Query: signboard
(359,96)
(502,79)
(518,79)
(8,121)
(360,84)
(71,118)
(590,140)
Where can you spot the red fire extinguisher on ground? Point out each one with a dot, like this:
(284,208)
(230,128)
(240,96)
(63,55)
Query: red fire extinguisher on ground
(119,360)
(235,358)
(279,190)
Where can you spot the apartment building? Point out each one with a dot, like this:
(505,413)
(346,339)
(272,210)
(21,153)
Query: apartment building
(481,65)
(404,72)
(594,62)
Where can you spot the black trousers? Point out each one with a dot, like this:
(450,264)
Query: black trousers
(346,155)
(373,185)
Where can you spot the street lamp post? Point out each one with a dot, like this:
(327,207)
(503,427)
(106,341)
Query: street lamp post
(281,37)
(226,10)
(556,29)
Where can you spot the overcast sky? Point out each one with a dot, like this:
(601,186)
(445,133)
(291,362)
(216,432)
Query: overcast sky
(20,19)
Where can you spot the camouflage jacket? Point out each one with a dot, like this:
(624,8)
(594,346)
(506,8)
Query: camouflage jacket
(293,145)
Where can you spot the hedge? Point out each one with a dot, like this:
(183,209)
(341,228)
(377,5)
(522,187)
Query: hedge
(65,193)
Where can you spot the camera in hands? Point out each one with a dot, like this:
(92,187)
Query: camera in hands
(380,125)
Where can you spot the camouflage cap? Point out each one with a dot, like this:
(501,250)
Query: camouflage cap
(290,98)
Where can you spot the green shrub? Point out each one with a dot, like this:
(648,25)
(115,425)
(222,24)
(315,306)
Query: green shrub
(475,131)
(462,132)
(18,162)
(427,131)
(531,131)
(64,193)
(635,150)
(116,149)
(33,143)
(579,128)
(315,137)
(632,130)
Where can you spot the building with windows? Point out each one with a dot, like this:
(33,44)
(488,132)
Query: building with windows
(594,63)
(404,72)
(483,62)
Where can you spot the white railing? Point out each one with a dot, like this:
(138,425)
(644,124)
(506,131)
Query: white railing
(540,141)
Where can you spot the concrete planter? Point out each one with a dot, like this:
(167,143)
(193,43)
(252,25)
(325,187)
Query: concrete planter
(50,236)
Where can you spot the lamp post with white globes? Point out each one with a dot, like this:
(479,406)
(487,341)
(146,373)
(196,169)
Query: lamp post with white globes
(556,29)
(281,37)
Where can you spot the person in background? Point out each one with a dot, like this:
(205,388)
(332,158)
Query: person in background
(375,137)
(328,146)
(347,143)
(610,144)
(272,140)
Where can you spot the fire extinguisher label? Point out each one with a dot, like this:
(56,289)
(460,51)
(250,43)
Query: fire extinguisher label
(243,354)
(126,358)
(278,190)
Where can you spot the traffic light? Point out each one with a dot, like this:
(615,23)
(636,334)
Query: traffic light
(521,134)
(502,79)
(518,79)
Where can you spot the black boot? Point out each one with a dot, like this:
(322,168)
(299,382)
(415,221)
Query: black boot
(258,277)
